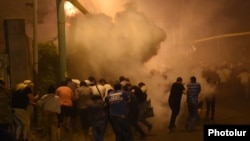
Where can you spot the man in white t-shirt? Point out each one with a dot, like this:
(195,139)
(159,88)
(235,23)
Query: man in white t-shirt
(107,87)
(97,88)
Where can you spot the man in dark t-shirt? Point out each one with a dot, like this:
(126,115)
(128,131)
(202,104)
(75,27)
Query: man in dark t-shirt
(21,98)
(174,100)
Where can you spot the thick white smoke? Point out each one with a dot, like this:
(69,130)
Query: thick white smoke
(145,42)
(110,47)
(127,44)
(107,47)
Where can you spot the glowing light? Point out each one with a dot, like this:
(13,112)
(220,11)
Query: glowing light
(93,6)
(70,10)
(108,7)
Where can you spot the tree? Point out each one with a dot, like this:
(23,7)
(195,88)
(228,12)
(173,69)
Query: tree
(48,68)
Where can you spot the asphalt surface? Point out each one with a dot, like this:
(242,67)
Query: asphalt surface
(231,109)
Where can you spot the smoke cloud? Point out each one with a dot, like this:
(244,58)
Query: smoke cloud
(154,46)
(149,41)
(110,47)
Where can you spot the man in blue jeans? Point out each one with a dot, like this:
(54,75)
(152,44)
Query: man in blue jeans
(193,91)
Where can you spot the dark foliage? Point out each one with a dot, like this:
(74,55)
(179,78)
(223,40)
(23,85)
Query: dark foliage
(48,68)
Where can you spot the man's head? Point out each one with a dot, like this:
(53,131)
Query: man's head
(51,89)
(121,78)
(92,80)
(193,79)
(117,86)
(179,79)
(83,83)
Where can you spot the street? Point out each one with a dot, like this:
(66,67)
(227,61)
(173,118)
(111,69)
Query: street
(229,110)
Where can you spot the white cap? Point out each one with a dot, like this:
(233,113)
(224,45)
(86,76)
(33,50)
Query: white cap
(27,81)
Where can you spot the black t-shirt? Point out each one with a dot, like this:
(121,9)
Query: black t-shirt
(140,95)
(176,93)
(20,98)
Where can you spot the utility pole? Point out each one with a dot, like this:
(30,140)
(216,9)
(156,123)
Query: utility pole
(35,46)
(61,38)
(35,58)
(61,34)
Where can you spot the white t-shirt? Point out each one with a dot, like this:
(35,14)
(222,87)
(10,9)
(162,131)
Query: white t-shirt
(101,88)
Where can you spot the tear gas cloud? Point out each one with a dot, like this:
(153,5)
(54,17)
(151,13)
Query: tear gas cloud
(110,47)
(149,41)
(128,44)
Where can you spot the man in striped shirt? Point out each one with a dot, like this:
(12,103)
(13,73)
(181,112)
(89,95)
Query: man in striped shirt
(193,91)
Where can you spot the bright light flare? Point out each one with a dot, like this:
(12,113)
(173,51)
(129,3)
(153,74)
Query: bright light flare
(70,10)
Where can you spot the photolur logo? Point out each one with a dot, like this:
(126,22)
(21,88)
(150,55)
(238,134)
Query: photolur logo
(235,132)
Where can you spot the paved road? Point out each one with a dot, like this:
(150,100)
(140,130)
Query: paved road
(229,110)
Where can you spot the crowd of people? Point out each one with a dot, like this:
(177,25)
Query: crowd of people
(98,104)
(94,104)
